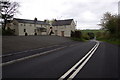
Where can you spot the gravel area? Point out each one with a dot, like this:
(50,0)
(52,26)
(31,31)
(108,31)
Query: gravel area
(20,43)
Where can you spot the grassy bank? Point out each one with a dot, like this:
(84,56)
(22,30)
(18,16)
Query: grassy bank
(101,35)
(107,37)
(112,41)
(84,32)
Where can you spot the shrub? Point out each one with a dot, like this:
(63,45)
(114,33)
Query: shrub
(86,37)
(8,32)
(76,34)
(91,35)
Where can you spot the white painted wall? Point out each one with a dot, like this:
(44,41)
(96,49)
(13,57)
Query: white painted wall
(67,29)
(30,29)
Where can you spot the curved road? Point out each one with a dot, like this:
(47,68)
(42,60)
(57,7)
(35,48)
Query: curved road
(103,64)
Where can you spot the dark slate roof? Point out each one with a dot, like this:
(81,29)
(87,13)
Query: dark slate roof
(31,21)
(62,22)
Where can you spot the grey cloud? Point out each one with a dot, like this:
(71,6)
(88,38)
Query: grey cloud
(96,8)
(75,9)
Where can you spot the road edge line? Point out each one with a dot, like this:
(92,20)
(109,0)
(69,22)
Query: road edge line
(28,57)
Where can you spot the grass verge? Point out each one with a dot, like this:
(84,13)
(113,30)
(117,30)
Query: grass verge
(115,41)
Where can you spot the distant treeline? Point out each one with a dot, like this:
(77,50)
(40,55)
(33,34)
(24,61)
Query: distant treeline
(79,35)
(110,31)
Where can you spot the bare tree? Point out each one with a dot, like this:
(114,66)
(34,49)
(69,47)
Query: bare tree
(8,10)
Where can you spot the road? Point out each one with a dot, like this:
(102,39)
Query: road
(93,59)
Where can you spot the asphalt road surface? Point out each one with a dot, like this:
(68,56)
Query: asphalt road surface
(82,60)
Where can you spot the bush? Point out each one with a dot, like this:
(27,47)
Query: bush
(8,32)
(86,37)
(76,34)
(91,35)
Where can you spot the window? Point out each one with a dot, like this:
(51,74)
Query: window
(13,23)
(24,30)
(41,29)
(13,30)
(24,24)
(45,25)
(21,24)
(35,30)
(30,24)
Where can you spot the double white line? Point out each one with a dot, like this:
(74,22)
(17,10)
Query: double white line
(71,73)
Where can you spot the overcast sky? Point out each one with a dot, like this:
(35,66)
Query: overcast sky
(87,13)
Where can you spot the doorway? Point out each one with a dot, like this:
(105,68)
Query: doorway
(62,33)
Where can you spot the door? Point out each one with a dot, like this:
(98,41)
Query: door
(62,33)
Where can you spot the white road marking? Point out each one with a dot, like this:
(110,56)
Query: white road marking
(26,51)
(73,68)
(82,65)
(24,58)
(32,50)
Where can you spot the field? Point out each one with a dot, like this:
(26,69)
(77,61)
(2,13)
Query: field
(93,31)
(100,35)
